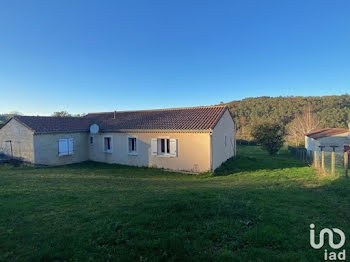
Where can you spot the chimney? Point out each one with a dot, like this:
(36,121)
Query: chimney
(115,115)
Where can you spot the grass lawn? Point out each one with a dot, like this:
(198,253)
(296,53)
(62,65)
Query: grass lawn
(256,208)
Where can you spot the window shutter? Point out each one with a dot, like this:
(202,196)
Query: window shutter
(62,147)
(70,146)
(154,146)
(173,147)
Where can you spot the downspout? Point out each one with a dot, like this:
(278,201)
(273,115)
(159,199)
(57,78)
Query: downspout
(211,150)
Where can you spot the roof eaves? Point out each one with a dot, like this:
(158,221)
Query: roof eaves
(157,130)
(61,132)
(219,117)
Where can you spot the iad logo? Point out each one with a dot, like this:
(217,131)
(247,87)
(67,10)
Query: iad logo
(341,255)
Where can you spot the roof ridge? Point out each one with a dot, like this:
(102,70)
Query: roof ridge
(78,117)
(317,130)
(161,109)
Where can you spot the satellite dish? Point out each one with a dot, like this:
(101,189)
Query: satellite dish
(94,129)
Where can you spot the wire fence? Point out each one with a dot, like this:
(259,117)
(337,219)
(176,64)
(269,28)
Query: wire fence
(335,163)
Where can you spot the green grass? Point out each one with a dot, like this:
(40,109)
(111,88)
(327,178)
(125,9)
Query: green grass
(256,208)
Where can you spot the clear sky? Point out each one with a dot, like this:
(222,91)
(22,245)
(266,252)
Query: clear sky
(85,56)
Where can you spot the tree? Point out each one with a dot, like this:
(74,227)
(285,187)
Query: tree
(333,111)
(269,136)
(7,116)
(61,114)
(301,125)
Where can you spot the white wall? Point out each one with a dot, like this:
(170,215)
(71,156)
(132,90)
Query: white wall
(21,139)
(220,151)
(46,149)
(338,140)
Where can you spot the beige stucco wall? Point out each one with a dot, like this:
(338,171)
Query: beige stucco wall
(220,151)
(46,149)
(338,140)
(21,138)
(193,151)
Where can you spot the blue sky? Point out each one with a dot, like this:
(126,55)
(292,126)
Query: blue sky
(85,56)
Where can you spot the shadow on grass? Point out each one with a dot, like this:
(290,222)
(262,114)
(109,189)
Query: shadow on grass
(249,158)
(233,218)
(252,158)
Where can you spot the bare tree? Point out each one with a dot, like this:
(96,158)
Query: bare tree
(61,114)
(66,114)
(302,124)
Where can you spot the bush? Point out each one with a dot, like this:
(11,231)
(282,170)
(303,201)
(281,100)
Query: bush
(246,142)
(269,136)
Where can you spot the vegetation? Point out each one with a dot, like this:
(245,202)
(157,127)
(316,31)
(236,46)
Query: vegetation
(5,117)
(65,114)
(269,136)
(61,114)
(256,208)
(302,124)
(332,111)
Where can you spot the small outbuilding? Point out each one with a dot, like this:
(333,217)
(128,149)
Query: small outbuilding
(195,139)
(327,137)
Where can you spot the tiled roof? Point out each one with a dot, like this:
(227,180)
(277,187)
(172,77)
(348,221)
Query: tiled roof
(324,132)
(192,118)
(50,124)
(180,119)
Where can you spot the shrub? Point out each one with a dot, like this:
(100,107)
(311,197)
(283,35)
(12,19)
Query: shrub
(269,136)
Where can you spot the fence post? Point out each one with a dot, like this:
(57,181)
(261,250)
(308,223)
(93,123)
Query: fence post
(346,163)
(315,159)
(322,158)
(333,160)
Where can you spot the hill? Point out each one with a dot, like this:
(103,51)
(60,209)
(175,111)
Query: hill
(333,111)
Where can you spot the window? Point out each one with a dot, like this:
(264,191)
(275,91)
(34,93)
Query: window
(225,141)
(107,144)
(65,147)
(91,139)
(164,147)
(132,145)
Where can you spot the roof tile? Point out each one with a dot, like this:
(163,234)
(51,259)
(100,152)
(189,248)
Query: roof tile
(181,119)
(324,132)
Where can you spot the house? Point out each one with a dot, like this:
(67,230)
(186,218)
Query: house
(327,137)
(195,139)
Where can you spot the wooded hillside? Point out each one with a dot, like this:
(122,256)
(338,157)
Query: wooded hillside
(332,111)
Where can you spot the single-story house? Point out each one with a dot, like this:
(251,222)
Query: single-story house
(327,137)
(195,139)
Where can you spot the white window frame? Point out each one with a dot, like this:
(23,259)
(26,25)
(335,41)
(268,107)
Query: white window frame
(109,151)
(68,141)
(165,154)
(132,153)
